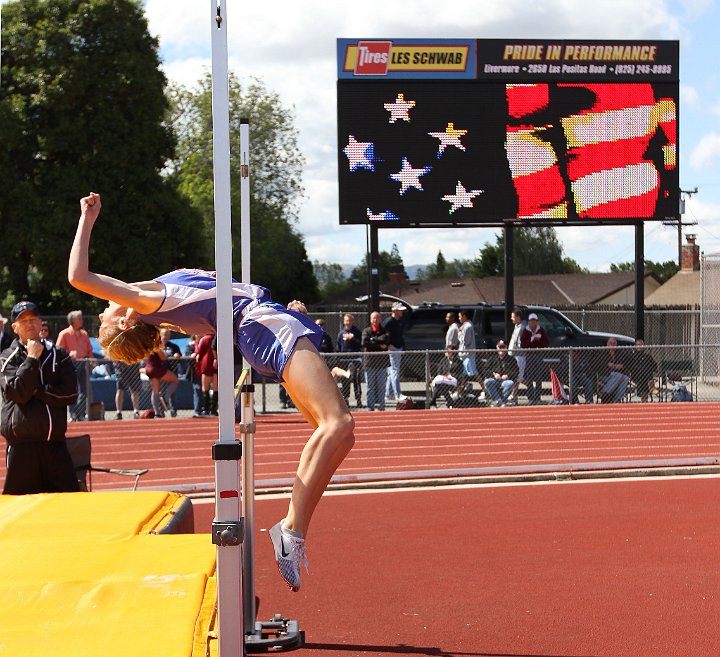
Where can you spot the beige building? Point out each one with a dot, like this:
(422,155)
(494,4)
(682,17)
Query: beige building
(683,289)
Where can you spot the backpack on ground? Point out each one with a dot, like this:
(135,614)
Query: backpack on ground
(680,393)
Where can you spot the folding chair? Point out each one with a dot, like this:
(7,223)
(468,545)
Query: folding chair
(80,449)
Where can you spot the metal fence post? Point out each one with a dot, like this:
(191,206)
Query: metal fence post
(427,379)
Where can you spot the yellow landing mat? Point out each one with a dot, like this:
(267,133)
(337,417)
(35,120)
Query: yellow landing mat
(72,587)
(105,514)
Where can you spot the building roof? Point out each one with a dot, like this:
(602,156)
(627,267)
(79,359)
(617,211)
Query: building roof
(683,289)
(539,289)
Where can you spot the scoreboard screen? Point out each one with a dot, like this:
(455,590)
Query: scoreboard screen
(498,137)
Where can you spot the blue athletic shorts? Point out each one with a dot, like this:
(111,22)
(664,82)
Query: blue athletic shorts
(267,336)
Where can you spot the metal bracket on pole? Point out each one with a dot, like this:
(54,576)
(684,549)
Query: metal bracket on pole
(228,533)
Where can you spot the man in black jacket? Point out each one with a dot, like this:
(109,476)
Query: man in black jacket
(349,340)
(38,384)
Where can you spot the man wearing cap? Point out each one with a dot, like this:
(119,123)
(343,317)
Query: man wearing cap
(395,327)
(38,383)
(534,337)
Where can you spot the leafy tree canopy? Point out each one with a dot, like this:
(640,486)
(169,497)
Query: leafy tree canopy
(279,260)
(387,263)
(442,268)
(331,278)
(663,270)
(82,106)
(535,251)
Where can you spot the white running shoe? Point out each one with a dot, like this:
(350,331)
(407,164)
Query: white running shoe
(289,554)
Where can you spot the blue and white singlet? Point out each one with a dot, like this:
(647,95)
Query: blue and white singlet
(266,332)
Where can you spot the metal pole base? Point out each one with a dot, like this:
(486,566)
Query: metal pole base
(275,635)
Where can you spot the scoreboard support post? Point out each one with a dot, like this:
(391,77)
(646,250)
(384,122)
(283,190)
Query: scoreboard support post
(509,278)
(640,279)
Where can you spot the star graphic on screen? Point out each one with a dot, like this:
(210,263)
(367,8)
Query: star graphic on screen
(462,198)
(400,109)
(409,177)
(360,153)
(451,137)
(382,216)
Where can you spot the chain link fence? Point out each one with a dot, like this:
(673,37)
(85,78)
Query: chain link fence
(710,313)
(652,373)
(663,326)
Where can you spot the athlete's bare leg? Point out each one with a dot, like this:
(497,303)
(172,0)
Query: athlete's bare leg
(315,393)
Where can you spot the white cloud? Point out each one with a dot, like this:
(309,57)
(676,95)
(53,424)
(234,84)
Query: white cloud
(292,47)
(706,153)
(689,95)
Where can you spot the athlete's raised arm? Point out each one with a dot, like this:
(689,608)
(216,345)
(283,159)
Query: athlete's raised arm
(144,298)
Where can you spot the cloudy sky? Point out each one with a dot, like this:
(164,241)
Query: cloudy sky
(292,47)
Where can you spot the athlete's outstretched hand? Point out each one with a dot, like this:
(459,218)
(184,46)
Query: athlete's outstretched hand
(90,206)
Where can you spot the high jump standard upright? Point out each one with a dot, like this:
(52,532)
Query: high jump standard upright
(227,527)
(237,626)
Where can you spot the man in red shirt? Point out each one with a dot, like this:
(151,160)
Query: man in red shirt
(76,341)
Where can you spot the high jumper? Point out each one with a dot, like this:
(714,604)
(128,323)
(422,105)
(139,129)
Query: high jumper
(278,343)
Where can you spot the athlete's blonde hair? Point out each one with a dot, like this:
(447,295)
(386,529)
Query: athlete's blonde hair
(132,344)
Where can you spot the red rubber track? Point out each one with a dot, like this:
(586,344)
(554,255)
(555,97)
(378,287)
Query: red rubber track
(621,568)
(435,443)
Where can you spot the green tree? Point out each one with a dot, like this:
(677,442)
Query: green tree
(82,106)
(438,269)
(663,270)
(397,266)
(535,251)
(387,263)
(278,256)
(442,268)
(331,278)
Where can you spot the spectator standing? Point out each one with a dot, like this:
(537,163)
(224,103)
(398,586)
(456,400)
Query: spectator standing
(38,383)
(192,375)
(502,371)
(326,345)
(157,370)
(173,363)
(207,368)
(452,338)
(466,345)
(519,325)
(237,371)
(394,326)
(375,340)
(349,340)
(75,340)
(615,380)
(5,338)
(45,335)
(534,337)
(127,380)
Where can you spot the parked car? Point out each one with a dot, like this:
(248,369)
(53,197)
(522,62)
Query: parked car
(425,327)
(425,330)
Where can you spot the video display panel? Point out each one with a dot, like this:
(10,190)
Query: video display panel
(444,152)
